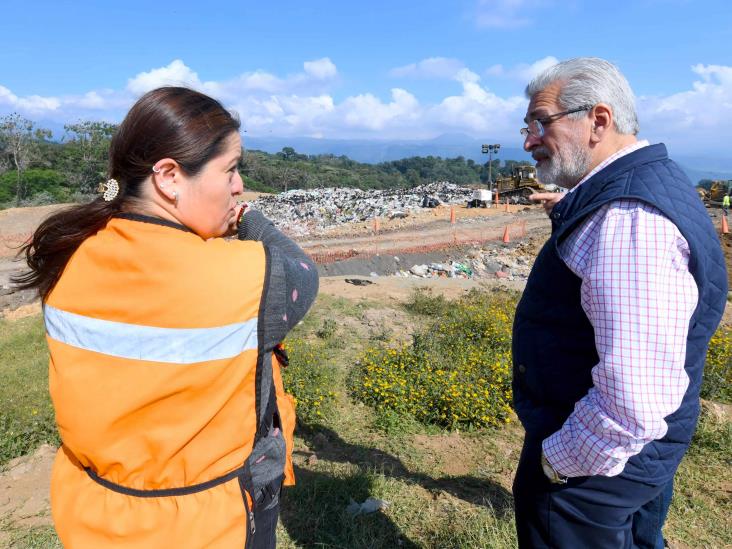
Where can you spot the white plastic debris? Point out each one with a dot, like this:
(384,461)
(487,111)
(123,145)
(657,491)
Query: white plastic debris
(371,505)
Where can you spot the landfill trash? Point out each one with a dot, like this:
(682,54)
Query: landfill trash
(430,202)
(307,211)
(371,505)
(459,267)
(477,263)
(358,281)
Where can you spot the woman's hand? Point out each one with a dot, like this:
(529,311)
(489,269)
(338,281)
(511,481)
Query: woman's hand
(547,200)
(239,211)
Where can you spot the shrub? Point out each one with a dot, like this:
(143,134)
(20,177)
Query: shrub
(717,383)
(328,329)
(424,302)
(309,378)
(255,186)
(457,373)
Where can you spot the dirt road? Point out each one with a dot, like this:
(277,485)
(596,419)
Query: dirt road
(426,228)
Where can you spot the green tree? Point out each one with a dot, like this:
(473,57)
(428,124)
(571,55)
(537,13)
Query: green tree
(42,185)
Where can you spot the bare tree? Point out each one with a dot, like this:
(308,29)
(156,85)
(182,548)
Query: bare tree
(20,139)
(285,174)
(5,161)
(87,153)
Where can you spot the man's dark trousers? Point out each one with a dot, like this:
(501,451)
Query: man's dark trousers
(592,512)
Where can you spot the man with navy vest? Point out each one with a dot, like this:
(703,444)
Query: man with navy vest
(611,333)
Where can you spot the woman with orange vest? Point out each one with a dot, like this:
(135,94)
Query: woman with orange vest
(163,338)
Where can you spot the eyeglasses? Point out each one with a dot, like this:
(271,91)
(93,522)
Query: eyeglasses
(536,127)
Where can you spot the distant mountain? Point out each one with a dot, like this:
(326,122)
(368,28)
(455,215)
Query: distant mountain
(449,146)
(699,167)
(375,151)
(695,175)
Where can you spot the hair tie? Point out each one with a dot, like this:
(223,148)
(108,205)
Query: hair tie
(109,189)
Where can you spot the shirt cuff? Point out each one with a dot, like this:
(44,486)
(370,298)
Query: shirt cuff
(558,455)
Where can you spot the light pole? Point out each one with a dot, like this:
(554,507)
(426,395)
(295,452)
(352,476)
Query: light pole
(491,150)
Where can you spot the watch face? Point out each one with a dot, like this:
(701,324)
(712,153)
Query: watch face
(550,473)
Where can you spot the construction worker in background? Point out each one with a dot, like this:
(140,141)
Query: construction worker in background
(725,204)
(611,333)
(164,340)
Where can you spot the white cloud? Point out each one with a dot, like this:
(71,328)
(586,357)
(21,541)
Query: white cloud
(433,67)
(304,104)
(523,72)
(368,112)
(7,97)
(32,104)
(321,69)
(175,74)
(465,76)
(479,110)
(513,14)
(503,14)
(253,81)
(698,117)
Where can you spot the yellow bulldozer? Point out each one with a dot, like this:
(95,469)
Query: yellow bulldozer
(520,184)
(717,191)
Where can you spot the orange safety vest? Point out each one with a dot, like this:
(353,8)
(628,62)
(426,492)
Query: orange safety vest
(161,388)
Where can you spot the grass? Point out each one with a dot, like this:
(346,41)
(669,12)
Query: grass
(446,489)
(700,510)
(36,537)
(26,414)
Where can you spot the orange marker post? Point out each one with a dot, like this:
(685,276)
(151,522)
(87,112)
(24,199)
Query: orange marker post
(725,227)
(452,214)
(506,237)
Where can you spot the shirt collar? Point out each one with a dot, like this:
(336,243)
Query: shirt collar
(610,159)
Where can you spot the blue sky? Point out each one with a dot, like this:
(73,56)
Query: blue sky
(400,69)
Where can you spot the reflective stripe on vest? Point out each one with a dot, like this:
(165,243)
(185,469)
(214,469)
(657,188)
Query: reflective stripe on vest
(150,343)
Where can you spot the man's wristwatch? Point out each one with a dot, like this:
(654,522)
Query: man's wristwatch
(551,474)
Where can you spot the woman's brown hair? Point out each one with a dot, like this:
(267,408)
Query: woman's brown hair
(169,122)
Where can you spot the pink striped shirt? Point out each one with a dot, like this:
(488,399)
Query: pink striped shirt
(639,296)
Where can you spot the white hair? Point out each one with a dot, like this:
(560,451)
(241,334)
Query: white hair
(589,81)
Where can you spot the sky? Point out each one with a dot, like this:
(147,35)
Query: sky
(398,69)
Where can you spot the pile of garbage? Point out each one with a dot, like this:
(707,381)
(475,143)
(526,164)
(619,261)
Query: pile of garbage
(301,211)
(481,264)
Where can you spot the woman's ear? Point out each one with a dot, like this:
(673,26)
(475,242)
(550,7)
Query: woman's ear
(166,176)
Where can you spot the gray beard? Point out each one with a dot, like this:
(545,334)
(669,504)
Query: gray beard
(566,167)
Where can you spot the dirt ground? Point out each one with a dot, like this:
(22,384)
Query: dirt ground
(429,227)
(24,484)
(425,227)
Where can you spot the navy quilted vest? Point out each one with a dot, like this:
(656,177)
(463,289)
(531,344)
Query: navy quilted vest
(553,341)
